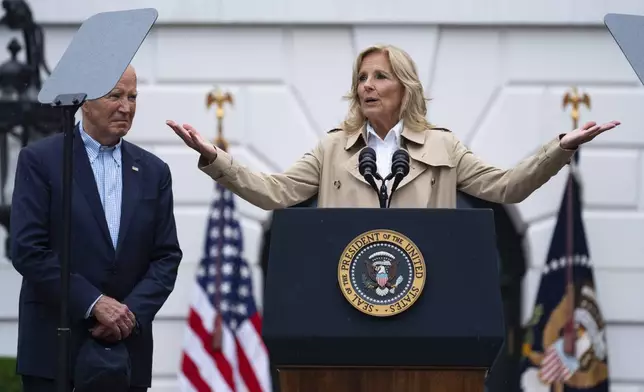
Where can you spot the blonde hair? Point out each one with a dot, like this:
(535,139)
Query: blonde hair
(413,109)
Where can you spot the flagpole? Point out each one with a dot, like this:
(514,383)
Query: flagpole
(575,100)
(219,99)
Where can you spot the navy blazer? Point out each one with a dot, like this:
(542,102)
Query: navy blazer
(140,273)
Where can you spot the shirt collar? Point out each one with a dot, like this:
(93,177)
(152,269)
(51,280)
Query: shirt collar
(94,148)
(393,132)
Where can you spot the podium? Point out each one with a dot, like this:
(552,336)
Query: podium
(383,299)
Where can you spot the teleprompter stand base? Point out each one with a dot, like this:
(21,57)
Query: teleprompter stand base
(381,379)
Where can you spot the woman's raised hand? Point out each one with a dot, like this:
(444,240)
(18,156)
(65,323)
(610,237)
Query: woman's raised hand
(194,140)
(585,133)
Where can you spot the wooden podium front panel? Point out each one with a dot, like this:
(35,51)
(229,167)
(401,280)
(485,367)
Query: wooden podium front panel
(377,380)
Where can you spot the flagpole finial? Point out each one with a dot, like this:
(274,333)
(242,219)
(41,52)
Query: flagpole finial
(216,97)
(574,99)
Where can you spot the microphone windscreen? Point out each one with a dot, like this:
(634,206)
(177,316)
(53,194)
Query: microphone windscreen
(367,161)
(400,162)
(401,154)
(367,152)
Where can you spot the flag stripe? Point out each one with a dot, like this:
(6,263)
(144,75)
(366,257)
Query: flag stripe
(191,372)
(251,341)
(257,324)
(223,366)
(246,371)
(185,384)
(207,315)
(224,287)
(205,363)
(552,369)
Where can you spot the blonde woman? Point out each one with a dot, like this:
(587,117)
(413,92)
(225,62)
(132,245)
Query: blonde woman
(387,112)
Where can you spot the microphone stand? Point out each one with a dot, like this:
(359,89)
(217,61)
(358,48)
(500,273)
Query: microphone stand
(399,169)
(368,169)
(383,196)
(399,178)
(382,193)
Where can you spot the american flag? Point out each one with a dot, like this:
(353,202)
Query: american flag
(235,359)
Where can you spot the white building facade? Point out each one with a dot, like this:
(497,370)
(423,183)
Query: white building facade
(496,72)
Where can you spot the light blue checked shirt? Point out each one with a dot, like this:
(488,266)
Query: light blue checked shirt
(106,165)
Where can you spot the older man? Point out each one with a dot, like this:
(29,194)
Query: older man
(125,253)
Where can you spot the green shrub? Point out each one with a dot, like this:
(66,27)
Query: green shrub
(9,381)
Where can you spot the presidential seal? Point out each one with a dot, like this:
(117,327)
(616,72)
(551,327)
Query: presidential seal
(381,273)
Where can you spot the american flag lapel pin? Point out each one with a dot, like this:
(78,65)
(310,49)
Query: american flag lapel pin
(136,169)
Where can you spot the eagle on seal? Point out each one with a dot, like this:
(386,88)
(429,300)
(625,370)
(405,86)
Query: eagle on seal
(381,273)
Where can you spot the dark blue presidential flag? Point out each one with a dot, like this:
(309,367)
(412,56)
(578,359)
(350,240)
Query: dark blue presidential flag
(564,347)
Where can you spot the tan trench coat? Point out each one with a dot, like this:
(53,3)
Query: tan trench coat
(439,165)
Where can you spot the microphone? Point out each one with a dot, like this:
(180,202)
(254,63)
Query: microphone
(399,169)
(367,166)
(369,170)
